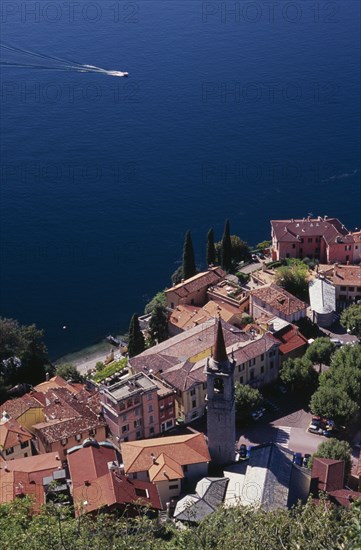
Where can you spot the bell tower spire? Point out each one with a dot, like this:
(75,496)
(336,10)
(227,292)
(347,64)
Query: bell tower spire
(220,402)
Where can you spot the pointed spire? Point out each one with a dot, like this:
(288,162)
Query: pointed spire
(219,352)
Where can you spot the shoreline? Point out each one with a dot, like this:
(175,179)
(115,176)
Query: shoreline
(86,358)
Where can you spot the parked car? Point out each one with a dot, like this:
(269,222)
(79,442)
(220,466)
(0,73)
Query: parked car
(297,458)
(315,430)
(256,415)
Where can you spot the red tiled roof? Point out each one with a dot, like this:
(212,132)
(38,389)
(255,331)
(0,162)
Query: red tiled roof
(288,230)
(183,449)
(16,407)
(279,299)
(290,338)
(344,497)
(113,489)
(198,282)
(24,476)
(55,430)
(89,463)
(328,473)
(58,382)
(12,434)
(175,360)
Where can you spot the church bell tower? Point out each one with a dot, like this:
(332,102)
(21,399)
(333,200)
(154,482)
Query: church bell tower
(220,403)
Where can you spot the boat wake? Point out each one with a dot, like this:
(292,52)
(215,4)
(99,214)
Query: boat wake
(49,65)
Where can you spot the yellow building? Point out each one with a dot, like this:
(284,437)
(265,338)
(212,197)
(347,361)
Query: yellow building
(26,410)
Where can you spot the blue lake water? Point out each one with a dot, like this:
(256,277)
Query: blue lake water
(240,110)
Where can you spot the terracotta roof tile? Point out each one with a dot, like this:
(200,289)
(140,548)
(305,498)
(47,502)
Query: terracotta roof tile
(279,299)
(183,449)
(199,281)
(165,468)
(16,407)
(12,434)
(112,489)
(89,463)
(56,430)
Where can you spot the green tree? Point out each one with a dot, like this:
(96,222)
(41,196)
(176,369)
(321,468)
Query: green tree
(211,251)
(294,279)
(226,248)
(26,343)
(189,266)
(320,351)
(247,400)
(263,245)
(136,339)
(338,450)
(347,356)
(351,319)
(298,374)
(331,402)
(159,299)
(69,372)
(158,325)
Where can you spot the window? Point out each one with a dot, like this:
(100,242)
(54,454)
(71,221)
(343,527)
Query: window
(359,289)
(169,423)
(151,431)
(262,357)
(121,406)
(173,486)
(172,305)
(151,420)
(138,435)
(149,396)
(343,288)
(78,437)
(293,246)
(136,400)
(351,288)
(194,404)
(348,247)
(252,362)
(262,369)
(137,423)
(24,444)
(193,392)
(251,374)
(9,450)
(150,408)
(241,380)
(310,239)
(125,428)
(129,402)
(271,365)
(124,417)
(136,411)
(301,241)
(218,385)
(318,239)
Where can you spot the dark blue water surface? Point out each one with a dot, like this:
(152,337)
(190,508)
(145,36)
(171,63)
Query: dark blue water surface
(239,110)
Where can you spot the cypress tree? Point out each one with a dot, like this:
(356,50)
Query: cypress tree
(226,248)
(211,251)
(136,338)
(189,266)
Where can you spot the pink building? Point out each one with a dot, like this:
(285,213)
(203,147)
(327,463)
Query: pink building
(130,408)
(324,239)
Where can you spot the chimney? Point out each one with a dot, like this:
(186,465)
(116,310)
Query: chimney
(153,458)
(47,376)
